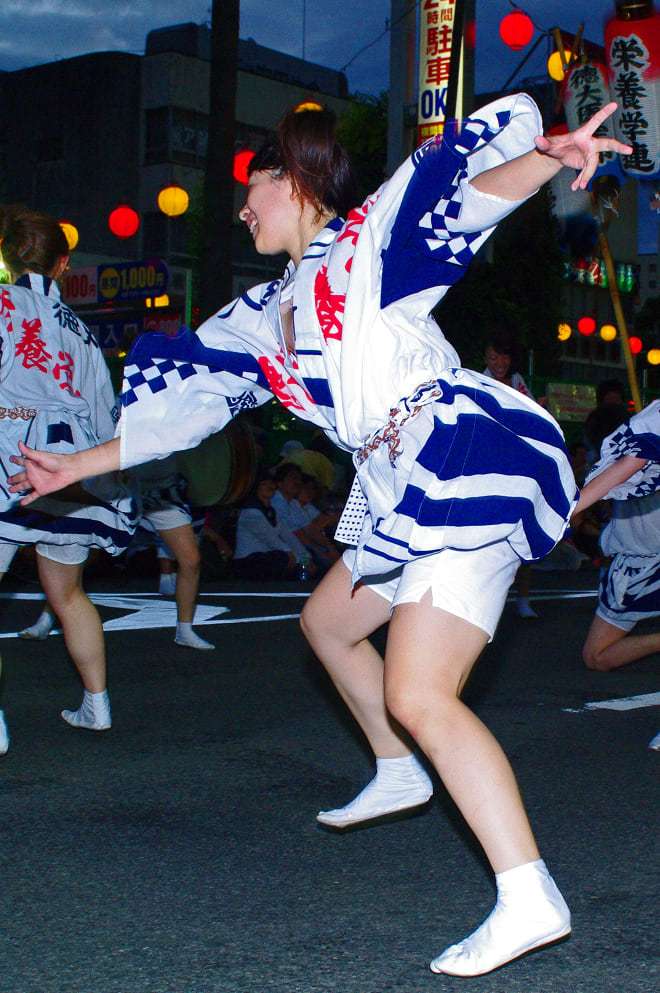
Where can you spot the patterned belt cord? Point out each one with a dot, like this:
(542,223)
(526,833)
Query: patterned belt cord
(389,434)
(17,413)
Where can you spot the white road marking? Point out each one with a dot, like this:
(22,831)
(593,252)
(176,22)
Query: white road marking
(155,612)
(623,703)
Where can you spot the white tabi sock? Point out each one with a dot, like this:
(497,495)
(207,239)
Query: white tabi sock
(399,784)
(93,714)
(40,630)
(4,735)
(186,636)
(529,912)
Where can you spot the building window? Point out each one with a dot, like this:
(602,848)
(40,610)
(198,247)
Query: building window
(157,126)
(173,134)
(189,136)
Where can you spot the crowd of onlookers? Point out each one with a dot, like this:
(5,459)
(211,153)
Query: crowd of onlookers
(283,529)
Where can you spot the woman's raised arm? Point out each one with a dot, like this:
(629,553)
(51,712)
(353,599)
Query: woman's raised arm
(520,177)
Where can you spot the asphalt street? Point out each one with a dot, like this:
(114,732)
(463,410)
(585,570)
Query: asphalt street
(179,852)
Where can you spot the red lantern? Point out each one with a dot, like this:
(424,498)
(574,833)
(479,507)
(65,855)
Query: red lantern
(242,160)
(124,221)
(516,30)
(635,345)
(586,325)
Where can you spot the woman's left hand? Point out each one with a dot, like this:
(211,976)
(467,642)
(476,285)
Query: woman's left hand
(580,150)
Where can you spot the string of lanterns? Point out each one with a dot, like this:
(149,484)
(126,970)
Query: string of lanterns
(586,326)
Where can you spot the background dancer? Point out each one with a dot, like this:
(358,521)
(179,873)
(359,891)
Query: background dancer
(458,477)
(628,474)
(56,393)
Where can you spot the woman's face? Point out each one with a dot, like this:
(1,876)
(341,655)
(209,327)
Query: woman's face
(498,363)
(266,491)
(272,213)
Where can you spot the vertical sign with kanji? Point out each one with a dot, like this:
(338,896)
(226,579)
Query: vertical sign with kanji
(584,91)
(633,56)
(436,30)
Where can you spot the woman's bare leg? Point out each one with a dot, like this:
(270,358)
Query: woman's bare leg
(81,624)
(429,656)
(608,647)
(183,545)
(83,637)
(337,624)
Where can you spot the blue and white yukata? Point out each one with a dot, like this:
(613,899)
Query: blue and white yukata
(445,457)
(630,591)
(56,395)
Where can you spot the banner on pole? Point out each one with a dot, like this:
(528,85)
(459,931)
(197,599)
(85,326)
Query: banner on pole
(436,32)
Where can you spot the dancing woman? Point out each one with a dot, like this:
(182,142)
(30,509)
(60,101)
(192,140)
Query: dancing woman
(56,393)
(458,478)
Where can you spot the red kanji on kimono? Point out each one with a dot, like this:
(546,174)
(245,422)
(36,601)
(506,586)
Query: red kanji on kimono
(354,222)
(6,307)
(282,384)
(329,306)
(64,371)
(31,347)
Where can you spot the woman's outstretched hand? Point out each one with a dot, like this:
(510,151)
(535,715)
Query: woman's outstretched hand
(580,150)
(43,472)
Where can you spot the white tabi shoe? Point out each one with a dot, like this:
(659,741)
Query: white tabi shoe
(93,715)
(522,920)
(399,785)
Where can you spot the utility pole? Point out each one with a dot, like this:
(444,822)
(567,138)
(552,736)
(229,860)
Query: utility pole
(216,261)
(403,38)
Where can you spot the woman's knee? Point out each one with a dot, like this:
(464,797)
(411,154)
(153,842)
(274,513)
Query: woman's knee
(190,561)
(311,621)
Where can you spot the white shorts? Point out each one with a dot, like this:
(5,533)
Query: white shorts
(168,517)
(69,554)
(630,591)
(472,585)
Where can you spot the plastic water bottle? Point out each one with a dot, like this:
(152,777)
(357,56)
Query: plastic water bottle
(302,567)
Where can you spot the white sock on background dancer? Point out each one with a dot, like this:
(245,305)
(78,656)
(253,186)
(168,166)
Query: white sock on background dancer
(167,583)
(524,608)
(399,784)
(4,734)
(41,628)
(529,912)
(93,714)
(189,639)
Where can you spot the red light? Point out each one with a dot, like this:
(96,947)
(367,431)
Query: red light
(124,222)
(242,160)
(516,30)
(635,345)
(586,325)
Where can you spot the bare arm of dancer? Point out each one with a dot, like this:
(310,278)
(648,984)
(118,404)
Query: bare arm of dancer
(521,177)
(45,472)
(601,484)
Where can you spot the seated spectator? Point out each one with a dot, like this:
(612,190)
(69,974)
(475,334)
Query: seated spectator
(302,523)
(320,546)
(265,547)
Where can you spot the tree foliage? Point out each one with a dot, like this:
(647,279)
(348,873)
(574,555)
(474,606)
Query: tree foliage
(518,289)
(647,322)
(363,132)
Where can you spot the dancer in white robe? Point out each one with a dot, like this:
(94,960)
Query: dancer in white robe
(55,393)
(458,477)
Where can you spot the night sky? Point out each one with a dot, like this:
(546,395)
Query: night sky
(34,31)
